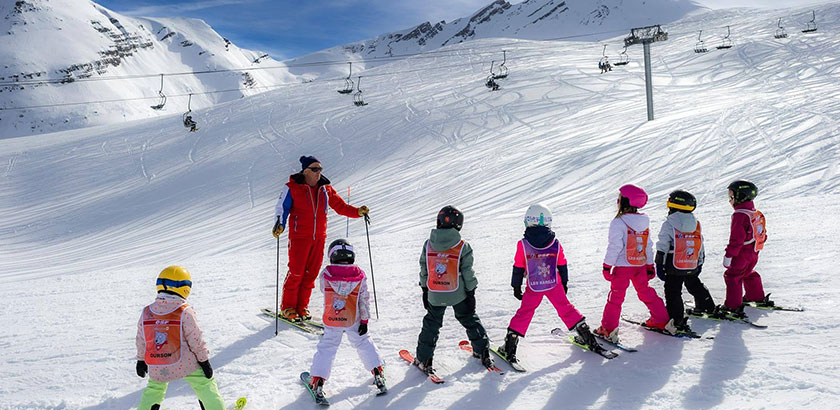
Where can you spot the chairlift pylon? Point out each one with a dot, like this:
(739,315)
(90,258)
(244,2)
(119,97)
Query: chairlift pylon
(623,58)
(162,96)
(700,47)
(780,30)
(811,26)
(357,98)
(604,63)
(726,42)
(503,70)
(188,121)
(348,83)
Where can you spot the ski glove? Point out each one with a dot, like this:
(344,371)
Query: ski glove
(363,210)
(471,300)
(142,369)
(278,227)
(362,328)
(208,370)
(517,292)
(726,262)
(425,298)
(607,275)
(660,271)
(651,272)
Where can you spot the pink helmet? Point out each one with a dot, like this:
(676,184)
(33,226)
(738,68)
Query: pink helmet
(637,197)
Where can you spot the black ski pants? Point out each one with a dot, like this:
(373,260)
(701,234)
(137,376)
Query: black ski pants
(433,321)
(673,294)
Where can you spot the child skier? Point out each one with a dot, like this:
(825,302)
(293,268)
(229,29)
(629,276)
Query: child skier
(447,279)
(346,309)
(679,259)
(539,256)
(170,345)
(746,238)
(630,259)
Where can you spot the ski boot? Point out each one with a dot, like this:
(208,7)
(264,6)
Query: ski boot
(722,312)
(317,385)
(379,379)
(426,366)
(610,336)
(509,349)
(304,314)
(485,358)
(763,303)
(587,338)
(291,315)
(682,325)
(670,327)
(661,326)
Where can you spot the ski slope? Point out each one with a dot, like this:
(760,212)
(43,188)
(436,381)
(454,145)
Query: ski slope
(89,218)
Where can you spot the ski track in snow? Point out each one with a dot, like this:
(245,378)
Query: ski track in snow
(84,234)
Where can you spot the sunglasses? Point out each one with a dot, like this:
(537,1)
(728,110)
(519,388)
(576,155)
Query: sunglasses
(315,169)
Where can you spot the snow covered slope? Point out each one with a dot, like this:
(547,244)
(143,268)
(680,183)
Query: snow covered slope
(89,217)
(76,40)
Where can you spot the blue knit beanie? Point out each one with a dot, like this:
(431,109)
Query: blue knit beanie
(305,161)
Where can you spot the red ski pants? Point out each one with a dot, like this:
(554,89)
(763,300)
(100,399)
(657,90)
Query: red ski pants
(622,277)
(741,280)
(305,257)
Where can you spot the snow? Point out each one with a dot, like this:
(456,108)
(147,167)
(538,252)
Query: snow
(90,216)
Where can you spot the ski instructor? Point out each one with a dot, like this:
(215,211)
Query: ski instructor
(302,208)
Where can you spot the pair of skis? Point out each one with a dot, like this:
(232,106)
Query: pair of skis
(308,326)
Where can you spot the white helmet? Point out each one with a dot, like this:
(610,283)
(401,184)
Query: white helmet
(537,215)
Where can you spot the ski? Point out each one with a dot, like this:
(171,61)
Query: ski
(300,325)
(598,349)
(405,355)
(240,403)
(763,306)
(681,335)
(319,398)
(311,322)
(515,365)
(616,344)
(728,318)
(465,346)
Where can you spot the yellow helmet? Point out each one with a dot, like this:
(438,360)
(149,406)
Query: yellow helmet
(175,279)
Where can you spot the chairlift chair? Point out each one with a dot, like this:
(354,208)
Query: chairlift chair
(604,62)
(491,83)
(188,121)
(700,47)
(503,70)
(161,95)
(726,42)
(357,98)
(811,26)
(780,31)
(623,58)
(348,83)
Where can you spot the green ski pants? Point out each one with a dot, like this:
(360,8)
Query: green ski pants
(206,390)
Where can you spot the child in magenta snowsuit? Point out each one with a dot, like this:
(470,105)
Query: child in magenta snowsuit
(539,258)
(630,259)
(747,235)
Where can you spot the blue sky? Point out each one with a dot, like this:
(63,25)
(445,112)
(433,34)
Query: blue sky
(287,29)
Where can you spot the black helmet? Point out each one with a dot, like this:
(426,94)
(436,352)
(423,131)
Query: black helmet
(450,217)
(341,252)
(743,191)
(682,201)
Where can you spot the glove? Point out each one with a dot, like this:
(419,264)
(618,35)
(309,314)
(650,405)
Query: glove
(205,366)
(726,262)
(607,275)
(142,369)
(651,272)
(363,328)
(565,287)
(699,269)
(517,292)
(363,210)
(425,298)
(471,300)
(660,271)
(278,228)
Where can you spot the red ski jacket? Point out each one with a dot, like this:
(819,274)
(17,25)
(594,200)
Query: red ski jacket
(303,208)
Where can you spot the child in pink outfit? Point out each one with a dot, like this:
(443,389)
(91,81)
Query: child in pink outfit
(630,259)
(539,257)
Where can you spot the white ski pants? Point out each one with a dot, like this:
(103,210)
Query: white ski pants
(328,346)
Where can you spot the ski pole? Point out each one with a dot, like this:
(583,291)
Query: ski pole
(372,279)
(277,291)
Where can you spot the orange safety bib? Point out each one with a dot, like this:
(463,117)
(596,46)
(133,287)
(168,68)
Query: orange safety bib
(759,228)
(443,268)
(163,336)
(340,311)
(637,247)
(687,249)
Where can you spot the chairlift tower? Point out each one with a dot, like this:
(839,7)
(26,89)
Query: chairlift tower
(645,36)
